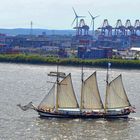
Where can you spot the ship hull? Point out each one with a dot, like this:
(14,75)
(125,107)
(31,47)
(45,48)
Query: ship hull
(116,116)
(65,115)
(43,114)
(117,113)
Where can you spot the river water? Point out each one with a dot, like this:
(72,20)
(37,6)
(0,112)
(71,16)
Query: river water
(24,83)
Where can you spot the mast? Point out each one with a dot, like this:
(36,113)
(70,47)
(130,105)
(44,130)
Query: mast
(107,83)
(82,82)
(57,82)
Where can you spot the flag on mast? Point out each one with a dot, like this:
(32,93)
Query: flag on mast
(109,65)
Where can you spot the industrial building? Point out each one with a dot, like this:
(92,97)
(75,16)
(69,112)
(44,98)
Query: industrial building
(92,44)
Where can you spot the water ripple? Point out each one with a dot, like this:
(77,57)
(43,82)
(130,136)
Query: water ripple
(21,83)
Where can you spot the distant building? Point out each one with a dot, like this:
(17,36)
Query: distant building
(94,53)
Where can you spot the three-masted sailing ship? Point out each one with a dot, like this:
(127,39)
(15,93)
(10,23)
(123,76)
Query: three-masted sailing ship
(61,101)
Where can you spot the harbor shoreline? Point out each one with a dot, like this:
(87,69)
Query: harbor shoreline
(42,60)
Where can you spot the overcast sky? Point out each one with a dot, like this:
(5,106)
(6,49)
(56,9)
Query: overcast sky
(58,14)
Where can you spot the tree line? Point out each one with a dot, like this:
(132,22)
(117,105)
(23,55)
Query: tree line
(37,59)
